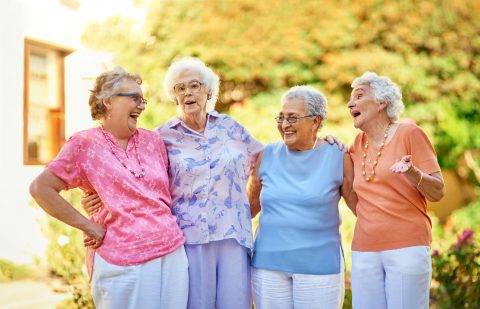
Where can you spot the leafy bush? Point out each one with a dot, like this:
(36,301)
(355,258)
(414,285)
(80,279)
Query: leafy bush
(11,271)
(66,256)
(467,217)
(456,274)
(433,54)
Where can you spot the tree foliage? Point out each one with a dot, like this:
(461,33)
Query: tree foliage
(431,48)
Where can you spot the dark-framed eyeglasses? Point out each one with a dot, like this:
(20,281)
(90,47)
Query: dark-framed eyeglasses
(181,88)
(137,98)
(290,119)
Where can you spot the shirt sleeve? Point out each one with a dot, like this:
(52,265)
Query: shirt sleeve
(423,154)
(356,145)
(253,146)
(163,149)
(68,163)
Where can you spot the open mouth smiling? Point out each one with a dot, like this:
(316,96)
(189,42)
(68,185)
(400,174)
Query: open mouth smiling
(134,116)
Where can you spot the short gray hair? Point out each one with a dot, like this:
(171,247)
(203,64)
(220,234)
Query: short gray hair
(315,101)
(384,90)
(106,85)
(210,80)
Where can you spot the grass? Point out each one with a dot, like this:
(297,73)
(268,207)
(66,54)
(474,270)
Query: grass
(11,271)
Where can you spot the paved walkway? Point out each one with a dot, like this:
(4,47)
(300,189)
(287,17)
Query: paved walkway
(29,294)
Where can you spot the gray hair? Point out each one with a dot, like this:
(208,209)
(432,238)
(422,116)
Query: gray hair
(106,85)
(314,100)
(210,80)
(384,90)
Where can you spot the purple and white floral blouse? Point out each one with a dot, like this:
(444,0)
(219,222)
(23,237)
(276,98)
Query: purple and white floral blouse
(208,178)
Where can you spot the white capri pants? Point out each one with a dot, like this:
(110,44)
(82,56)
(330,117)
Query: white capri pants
(393,279)
(282,290)
(159,283)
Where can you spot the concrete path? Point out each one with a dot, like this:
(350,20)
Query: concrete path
(29,294)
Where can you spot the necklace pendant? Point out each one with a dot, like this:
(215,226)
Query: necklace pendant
(114,153)
(375,161)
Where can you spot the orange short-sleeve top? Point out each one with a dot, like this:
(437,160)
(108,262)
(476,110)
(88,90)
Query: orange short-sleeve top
(391,211)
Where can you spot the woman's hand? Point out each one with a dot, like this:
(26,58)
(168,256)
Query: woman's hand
(333,140)
(430,185)
(94,237)
(91,203)
(402,166)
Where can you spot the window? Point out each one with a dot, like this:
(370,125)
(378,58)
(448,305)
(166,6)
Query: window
(44,105)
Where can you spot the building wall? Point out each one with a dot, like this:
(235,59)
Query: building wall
(51,22)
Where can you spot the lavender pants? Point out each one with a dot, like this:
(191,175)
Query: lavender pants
(219,275)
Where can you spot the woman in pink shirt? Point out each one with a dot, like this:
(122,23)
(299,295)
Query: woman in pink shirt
(135,252)
(396,171)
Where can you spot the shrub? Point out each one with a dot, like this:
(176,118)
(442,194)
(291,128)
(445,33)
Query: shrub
(66,256)
(456,274)
(11,271)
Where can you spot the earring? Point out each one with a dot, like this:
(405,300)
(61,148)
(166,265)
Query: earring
(209,96)
(109,116)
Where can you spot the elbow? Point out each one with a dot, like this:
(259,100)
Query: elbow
(34,188)
(438,195)
(435,199)
(441,194)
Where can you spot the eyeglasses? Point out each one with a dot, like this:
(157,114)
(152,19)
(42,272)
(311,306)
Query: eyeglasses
(138,99)
(290,119)
(181,89)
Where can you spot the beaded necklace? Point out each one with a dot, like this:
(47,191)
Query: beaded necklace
(375,162)
(112,149)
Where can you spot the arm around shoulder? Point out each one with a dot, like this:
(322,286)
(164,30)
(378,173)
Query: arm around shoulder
(254,186)
(347,191)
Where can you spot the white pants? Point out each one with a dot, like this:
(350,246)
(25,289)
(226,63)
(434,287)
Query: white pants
(160,283)
(393,279)
(279,290)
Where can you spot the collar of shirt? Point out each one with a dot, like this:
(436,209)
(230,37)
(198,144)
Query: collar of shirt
(177,121)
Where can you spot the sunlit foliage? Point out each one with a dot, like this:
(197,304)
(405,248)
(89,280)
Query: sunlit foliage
(430,48)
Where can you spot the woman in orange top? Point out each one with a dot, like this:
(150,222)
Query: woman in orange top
(396,170)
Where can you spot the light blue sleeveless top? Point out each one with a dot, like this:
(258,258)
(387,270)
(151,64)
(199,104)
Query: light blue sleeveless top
(299,223)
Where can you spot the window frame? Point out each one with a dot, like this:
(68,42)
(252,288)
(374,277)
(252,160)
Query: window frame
(59,139)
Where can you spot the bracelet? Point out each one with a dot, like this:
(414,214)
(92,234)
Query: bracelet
(420,181)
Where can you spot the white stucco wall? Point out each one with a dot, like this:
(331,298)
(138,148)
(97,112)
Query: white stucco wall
(19,235)
(47,21)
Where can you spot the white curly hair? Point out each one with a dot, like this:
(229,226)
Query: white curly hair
(384,90)
(210,80)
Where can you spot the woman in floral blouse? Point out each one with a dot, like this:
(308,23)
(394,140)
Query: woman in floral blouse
(210,158)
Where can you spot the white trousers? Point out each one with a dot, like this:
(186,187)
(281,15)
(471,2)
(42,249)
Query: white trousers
(393,279)
(281,290)
(160,283)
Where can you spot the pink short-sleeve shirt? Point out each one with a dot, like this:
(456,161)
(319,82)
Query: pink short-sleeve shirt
(136,212)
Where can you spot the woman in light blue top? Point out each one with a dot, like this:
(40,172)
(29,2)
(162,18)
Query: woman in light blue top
(298,260)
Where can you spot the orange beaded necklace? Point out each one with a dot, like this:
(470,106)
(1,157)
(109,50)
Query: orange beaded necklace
(379,153)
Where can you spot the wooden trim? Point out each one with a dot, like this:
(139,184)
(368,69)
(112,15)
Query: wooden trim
(61,98)
(61,52)
(26,69)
